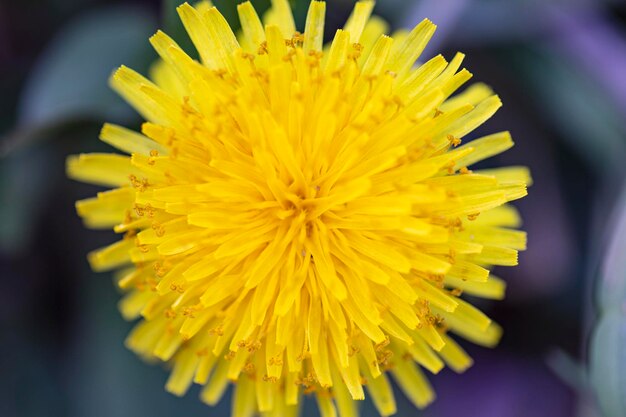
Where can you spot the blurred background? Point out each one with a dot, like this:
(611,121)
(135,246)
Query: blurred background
(560,68)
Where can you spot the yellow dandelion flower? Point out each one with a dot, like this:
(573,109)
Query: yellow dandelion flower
(301,219)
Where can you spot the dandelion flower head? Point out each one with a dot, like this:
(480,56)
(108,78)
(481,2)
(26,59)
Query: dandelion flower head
(302,219)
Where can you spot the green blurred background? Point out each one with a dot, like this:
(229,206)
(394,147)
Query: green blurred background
(560,68)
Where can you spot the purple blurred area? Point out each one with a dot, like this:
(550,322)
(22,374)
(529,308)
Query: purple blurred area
(502,385)
(560,69)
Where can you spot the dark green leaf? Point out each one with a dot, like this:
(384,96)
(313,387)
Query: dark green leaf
(69,82)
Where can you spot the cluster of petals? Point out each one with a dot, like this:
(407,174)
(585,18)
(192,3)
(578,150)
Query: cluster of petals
(300,218)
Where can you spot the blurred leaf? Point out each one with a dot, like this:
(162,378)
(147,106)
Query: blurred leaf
(587,39)
(395,10)
(608,363)
(570,103)
(100,363)
(32,181)
(24,185)
(488,22)
(568,369)
(608,343)
(611,290)
(70,80)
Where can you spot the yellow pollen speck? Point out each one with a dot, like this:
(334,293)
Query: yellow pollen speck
(472,216)
(454,141)
(262,48)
